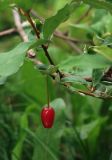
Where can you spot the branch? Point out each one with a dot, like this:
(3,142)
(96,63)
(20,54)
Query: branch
(8,31)
(45,48)
(36,15)
(60,35)
(13,30)
(71,41)
(93,95)
(19,29)
(23,35)
(37,33)
(84,15)
(83,93)
(57,33)
(74,47)
(18,25)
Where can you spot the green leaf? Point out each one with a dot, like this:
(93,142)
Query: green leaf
(97,76)
(109,90)
(2,80)
(85,62)
(19,146)
(28,73)
(84,27)
(83,31)
(91,131)
(110,158)
(103,24)
(104,50)
(47,69)
(59,106)
(26,4)
(17,151)
(108,41)
(53,22)
(11,61)
(97,40)
(104,89)
(4,5)
(41,144)
(101,4)
(73,79)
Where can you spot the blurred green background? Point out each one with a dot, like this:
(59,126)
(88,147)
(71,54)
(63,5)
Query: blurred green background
(83,125)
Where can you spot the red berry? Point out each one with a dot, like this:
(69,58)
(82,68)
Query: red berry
(47,117)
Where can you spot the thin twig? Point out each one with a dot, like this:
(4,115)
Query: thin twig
(74,47)
(20,30)
(45,48)
(23,35)
(36,15)
(47,91)
(69,40)
(18,25)
(8,31)
(84,15)
(37,34)
(60,35)
(82,93)
(13,30)
(57,34)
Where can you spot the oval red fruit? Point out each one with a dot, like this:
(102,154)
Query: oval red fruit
(47,117)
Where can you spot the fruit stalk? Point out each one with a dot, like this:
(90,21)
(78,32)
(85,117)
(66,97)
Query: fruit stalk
(47,91)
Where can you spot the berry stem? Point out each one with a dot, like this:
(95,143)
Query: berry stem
(47,90)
